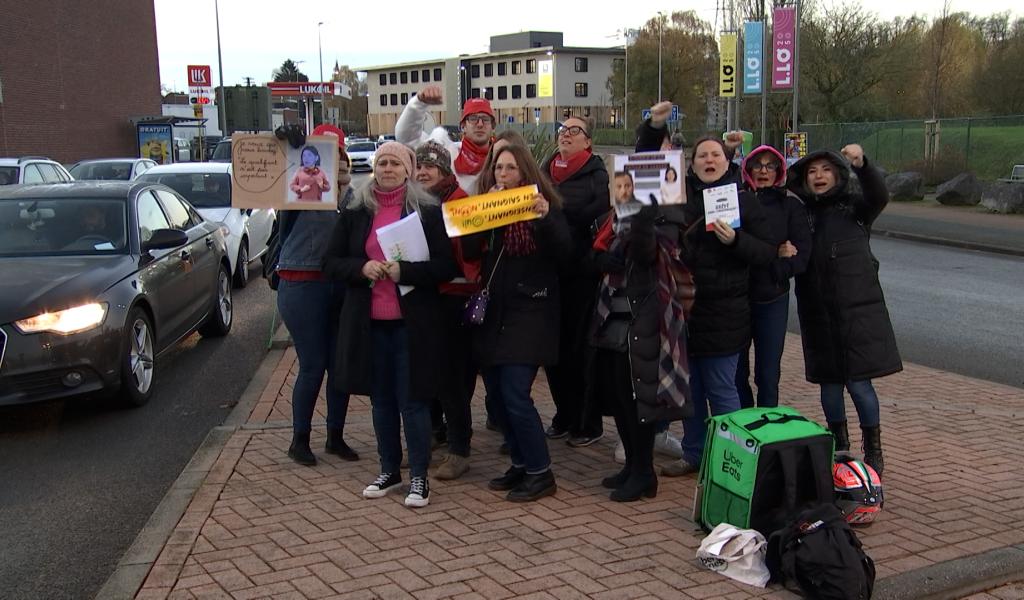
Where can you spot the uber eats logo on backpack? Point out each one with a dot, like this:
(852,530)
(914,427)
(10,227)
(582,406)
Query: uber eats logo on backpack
(732,465)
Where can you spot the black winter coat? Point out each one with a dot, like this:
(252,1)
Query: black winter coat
(643,340)
(787,220)
(521,325)
(585,198)
(421,308)
(844,323)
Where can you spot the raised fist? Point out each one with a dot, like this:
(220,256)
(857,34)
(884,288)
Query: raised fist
(660,113)
(430,95)
(734,139)
(855,154)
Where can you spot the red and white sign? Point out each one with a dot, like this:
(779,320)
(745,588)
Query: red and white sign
(199,76)
(305,88)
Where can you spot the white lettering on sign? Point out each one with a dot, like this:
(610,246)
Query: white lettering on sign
(783,66)
(753,66)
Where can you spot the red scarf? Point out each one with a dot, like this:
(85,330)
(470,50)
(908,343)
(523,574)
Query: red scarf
(471,157)
(562,169)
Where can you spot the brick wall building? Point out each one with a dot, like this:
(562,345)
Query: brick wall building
(73,74)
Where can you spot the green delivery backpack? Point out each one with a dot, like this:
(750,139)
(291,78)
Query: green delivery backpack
(761,466)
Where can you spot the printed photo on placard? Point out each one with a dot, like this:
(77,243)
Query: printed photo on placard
(313,173)
(268,173)
(647,178)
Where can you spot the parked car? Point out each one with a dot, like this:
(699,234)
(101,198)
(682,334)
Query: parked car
(208,145)
(385,137)
(103,169)
(100,279)
(361,154)
(222,152)
(32,169)
(208,187)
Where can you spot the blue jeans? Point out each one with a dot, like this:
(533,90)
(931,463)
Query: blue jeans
(865,400)
(393,404)
(509,389)
(310,310)
(712,382)
(768,321)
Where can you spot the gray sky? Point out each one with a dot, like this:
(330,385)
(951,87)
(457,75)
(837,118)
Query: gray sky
(257,35)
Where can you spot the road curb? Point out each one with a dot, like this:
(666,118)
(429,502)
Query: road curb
(134,566)
(962,244)
(957,578)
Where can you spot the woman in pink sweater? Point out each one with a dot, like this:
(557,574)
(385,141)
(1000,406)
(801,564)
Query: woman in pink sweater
(310,182)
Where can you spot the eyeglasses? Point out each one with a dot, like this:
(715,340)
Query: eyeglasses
(481,118)
(572,131)
(764,167)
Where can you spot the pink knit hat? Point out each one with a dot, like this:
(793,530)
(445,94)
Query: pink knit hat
(400,152)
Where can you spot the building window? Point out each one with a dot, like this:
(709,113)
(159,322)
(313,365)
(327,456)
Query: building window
(405,99)
(581,90)
(517,91)
(393,78)
(404,77)
(531,65)
(531,90)
(581,64)
(394,99)
(437,74)
(474,93)
(502,92)
(383,79)
(517,67)
(383,99)
(474,71)
(489,93)
(414,76)
(489,70)
(426,75)
(502,69)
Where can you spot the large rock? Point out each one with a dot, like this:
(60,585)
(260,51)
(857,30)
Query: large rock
(962,190)
(1004,197)
(905,186)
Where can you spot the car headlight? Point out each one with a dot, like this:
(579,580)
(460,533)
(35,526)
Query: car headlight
(226,231)
(68,321)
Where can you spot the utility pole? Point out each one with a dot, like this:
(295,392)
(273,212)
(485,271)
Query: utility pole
(796,68)
(320,48)
(764,79)
(661,33)
(220,73)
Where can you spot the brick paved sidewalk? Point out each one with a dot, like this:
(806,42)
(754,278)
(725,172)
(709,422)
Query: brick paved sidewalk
(262,526)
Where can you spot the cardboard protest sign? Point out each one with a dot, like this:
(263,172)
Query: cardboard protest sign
(647,178)
(489,211)
(268,173)
(722,202)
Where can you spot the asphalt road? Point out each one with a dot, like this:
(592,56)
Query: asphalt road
(79,478)
(956,310)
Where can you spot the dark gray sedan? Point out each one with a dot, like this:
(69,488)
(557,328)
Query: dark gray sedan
(97,279)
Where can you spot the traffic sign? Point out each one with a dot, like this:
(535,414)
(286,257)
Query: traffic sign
(511,119)
(675,114)
(645,114)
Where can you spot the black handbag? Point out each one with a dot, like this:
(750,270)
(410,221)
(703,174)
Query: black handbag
(476,307)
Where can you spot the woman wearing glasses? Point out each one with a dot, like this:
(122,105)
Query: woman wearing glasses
(582,181)
(764,172)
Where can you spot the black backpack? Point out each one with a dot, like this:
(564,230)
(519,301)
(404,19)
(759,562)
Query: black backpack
(820,553)
(282,227)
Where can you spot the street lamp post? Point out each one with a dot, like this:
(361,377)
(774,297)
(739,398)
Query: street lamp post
(220,72)
(661,33)
(320,48)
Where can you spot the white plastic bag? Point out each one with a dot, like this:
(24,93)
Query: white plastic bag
(735,553)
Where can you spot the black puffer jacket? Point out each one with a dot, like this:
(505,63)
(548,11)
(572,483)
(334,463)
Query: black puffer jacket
(643,340)
(585,197)
(844,323)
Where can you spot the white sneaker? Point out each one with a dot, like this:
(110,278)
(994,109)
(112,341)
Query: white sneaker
(668,445)
(419,493)
(620,453)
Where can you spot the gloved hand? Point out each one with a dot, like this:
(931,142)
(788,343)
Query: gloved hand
(293,133)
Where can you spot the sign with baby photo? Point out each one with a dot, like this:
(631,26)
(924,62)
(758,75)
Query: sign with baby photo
(647,178)
(268,173)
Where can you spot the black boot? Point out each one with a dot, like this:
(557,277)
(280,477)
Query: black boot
(841,435)
(336,445)
(640,455)
(533,487)
(616,480)
(509,480)
(299,450)
(873,448)
(636,486)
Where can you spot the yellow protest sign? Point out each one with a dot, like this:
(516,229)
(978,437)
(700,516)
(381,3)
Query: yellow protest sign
(488,211)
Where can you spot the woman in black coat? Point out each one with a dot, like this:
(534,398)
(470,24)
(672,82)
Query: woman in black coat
(581,180)
(847,335)
(519,333)
(639,367)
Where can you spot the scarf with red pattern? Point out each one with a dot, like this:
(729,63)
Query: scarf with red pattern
(471,157)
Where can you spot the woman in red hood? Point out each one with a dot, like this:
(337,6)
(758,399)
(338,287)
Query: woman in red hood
(764,173)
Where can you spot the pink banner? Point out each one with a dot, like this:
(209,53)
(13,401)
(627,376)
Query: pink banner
(783,48)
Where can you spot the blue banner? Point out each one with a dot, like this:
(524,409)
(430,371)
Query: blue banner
(753,40)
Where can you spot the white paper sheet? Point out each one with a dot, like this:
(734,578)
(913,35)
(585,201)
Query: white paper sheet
(405,241)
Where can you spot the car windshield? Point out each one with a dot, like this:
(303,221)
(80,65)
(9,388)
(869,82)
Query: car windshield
(103,170)
(223,151)
(8,175)
(203,190)
(62,226)
(363,147)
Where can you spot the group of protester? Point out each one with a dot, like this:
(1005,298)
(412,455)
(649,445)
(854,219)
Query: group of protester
(645,315)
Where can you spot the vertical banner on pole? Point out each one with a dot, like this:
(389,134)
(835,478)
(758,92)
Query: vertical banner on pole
(783,41)
(727,65)
(753,32)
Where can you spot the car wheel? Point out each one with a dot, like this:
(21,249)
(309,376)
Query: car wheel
(242,265)
(218,323)
(138,362)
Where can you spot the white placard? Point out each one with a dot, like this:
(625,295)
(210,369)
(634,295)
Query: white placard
(722,202)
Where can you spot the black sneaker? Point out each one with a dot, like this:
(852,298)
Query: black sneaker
(581,441)
(509,480)
(555,433)
(419,493)
(534,487)
(384,483)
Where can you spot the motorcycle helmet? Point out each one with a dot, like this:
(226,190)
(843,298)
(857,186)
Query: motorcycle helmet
(858,490)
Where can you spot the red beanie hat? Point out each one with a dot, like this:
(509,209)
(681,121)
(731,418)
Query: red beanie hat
(474,106)
(328,129)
